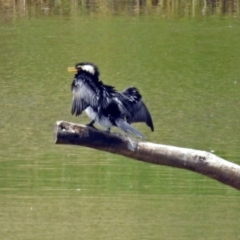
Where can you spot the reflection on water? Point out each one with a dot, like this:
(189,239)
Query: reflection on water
(188,73)
(164,8)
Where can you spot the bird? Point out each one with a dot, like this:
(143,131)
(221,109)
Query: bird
(104,104)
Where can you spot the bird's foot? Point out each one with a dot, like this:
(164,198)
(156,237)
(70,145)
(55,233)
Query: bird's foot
(91,124)
(108,130)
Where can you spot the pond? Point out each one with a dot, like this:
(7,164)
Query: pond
(184,58)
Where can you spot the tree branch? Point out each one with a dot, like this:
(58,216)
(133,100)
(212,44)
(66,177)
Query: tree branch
(198,161)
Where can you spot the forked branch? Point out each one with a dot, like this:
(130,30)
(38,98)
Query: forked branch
(198,161)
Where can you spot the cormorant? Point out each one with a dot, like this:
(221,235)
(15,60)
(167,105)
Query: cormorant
(103,104)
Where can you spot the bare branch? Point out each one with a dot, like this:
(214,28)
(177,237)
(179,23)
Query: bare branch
(198,161)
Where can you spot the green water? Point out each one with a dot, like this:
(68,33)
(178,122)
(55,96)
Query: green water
(187,69)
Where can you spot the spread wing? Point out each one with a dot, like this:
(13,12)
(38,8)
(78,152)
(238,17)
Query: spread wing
(141,114)
(137,110)
(85,94)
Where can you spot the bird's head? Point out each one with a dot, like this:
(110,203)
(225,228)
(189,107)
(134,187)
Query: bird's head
(85,67)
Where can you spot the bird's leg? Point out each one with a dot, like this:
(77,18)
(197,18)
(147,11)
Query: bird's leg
(108,130)
(91,124)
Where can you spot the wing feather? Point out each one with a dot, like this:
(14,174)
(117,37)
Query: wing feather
(84,95)
(141,114)
(137,110)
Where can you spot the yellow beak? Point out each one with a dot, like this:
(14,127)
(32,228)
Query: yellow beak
(72,69)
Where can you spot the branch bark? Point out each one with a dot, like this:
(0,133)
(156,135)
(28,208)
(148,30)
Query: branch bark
(198,161)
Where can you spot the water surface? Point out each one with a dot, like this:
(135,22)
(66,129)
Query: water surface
(187,68)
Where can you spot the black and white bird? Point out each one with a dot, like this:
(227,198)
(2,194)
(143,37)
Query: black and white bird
(103,104)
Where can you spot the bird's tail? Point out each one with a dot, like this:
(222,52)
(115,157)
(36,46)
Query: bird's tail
(127,128)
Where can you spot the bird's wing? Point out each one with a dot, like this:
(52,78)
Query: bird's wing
(84,95)
(107,96)
(141,114)
(137,110)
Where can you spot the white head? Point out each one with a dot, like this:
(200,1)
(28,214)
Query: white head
(88,67)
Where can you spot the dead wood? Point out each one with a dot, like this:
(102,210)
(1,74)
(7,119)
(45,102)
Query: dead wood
(198,161)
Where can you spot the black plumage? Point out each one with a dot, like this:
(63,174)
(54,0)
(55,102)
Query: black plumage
(104,105)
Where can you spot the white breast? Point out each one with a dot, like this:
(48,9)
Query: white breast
(91,113)
(102,121)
